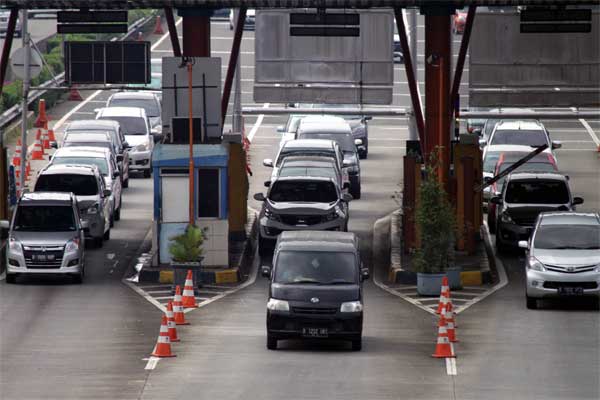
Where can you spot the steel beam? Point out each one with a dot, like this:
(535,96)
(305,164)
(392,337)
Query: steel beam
(233,60)
(410,76)
(462,54)
(10,33)
(172,31)
(538,114)
(381,112)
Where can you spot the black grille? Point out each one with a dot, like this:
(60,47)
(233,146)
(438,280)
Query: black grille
(301,219)
(43,257)
(556,285)
(575,270)
(314,310)
(524,220)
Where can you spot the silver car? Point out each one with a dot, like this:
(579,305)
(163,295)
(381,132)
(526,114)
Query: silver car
(46,236)
(563,256)
(4,17)
(149,101)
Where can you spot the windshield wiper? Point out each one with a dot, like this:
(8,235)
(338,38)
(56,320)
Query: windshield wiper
(339,282)
(303,281)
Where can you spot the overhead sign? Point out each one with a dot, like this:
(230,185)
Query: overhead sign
(206,98)
(549,20)
(17,63)
(330,56)
(116,62)
(91,21)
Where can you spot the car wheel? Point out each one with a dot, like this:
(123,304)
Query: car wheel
(355,191)
(147,173)
(118,211)
(78,278)
(362,155)
(112,218)
(11,278)
(532,303)
(106,235)
(491,220)
(357,345)
(98,242)
(271,343)
(126,183)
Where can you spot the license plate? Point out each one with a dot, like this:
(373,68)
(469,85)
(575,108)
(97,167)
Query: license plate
(43,257)
(570,291)
(314,332)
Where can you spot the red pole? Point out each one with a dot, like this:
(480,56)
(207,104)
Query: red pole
(233,59)
(172,31)
(10,33)
(462,55)
(191,129)
(196,35)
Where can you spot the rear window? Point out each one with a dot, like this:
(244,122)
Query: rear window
(130,125)
(345,141)
(101,163)
(521,137)
(490,160)
(72,143)
(45,219)
(303,191)
(537,192)
(149,105)
(305,152)
(308,171)
(80,185)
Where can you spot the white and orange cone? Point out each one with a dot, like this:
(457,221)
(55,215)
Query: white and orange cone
(188,300)
(38,151)
(45,140)
(17,157)
(443,348)
(163,344)
(448,316)
(171,323)
(178,313)
(444,295)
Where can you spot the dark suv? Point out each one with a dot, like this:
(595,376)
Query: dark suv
(316,288)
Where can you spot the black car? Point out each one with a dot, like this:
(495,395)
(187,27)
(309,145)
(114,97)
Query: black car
(316,288)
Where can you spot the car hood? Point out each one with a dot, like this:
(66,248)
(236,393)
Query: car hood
(564,257)
(134,140)
(301,208)
(327,294)
(529,211)
(43,238)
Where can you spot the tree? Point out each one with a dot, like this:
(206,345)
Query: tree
(187,247)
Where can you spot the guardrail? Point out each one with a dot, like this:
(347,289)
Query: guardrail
(14,113)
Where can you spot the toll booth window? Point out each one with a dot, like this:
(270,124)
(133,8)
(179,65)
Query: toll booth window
(208,193)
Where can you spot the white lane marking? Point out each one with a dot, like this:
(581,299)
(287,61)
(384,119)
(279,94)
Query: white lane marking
(110,256)
(145,295)
(589,129)
(85,113)
(152,362)
(163,37)
(259,121)
(158,291)
(451,366)
(229,52)
(577,141)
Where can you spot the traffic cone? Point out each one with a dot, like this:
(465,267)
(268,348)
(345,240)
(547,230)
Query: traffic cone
(188,300)
(171,323)
(42,120)
(38,134)
(448,316)
(51,136)
(443,348)
(18,187)
(74,94)
(45,141)
(178,313)
(163,344)
(16,161)
(38,151)
(27,170)
(444,295)
(158,30)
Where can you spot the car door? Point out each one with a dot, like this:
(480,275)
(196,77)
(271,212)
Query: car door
(116,183)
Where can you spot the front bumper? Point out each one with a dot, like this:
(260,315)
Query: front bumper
(545,284)
(510,234)
(140,160)
(289,325)
(72,263)
(270,229)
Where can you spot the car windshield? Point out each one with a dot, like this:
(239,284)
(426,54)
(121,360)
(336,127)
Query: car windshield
(308,171)
(80,185)
(293,122)
(130,125)
(582,237)
(303,191)
(112,135)
(527,167)
(533,138)
(537,192)
(316,267)
(105,145)
(101,163)
(345,140)
(490,161)
(45,219)
(150,105)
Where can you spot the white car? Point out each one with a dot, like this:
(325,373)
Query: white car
(149,101)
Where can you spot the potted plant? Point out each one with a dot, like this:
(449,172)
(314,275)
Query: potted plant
(435,224)
(186,253)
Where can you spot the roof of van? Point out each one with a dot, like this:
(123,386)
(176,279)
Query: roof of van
(318,240)
(92,124)
(121,112)
(309,144)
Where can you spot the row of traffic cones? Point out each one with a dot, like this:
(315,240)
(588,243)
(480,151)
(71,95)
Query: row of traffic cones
(175,316)
(446,324)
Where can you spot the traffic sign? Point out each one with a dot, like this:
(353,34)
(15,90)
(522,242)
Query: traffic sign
(17,63)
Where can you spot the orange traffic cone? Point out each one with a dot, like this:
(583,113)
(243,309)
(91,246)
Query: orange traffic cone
(448,317)
(18,187)
(188,299)
(38,151)
(444,295)
(27,170)
(163,344)
(45,141)
(42,120)
(443,347)
(51,136)
(171,323)
(178,313)
(74,94)
(16,161)
(158,30)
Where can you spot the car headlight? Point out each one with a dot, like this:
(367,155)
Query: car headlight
(271,215)
(333,215)
(72,245)
(351,306)
(597,269)
(506,218)
(92,210)
(534,264)
(278,305)
(15,247)
(142,147)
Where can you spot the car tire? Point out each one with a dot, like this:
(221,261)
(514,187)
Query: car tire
(491,220)
(112,218)
(357,344)
(147,173)
(532,303)
(355,191)
(118,211)
(126,183)
(106,235)
(11,278)
(78,278)
(98,242)
(271,343)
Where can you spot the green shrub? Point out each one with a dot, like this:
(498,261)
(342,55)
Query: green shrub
(187,247)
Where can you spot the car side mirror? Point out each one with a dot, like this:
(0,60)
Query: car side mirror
(556,145)
(482,142)
(477,132)
(364,274)
(267,162)
(523,244)
(346,185)
(358,142)
(107,192)
(267,183)
(84,224)
(347,197)
(281,129)
(577,200)
(259,197)
(265,271)
(96,110)
(120,157)
(126,145)
(116,174)
(496,200)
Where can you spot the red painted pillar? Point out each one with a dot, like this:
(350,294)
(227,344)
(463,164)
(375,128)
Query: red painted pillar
(438,60)
(196,32)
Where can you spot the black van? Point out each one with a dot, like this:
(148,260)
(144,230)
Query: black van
(316,288)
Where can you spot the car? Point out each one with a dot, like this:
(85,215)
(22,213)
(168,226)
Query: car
(458,22)
(149,101)
(113,129)
(100,140)
(398,54)
(288,131)
(155,84)
(250,19)
(358,124)
(4,17)
(490,123)
(524,195)
(563,257)
(93,198)
(315,288)
(524,133)
(45,236)
(300,203)
(335,128)
(313,166)
(543,162)
(136,128)
(107,165)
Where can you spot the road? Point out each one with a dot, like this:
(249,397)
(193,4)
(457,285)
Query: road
(71,342)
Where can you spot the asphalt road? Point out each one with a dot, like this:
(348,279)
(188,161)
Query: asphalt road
(60,340)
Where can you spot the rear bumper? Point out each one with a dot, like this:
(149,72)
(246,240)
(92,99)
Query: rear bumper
(282,325)
(510,234)
(140,160)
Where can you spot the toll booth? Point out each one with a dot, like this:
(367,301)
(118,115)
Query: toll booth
(170,167)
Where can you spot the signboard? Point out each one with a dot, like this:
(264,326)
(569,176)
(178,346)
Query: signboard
(556,20)
(206,92)
(332,56)
(91,21)
(116,62)
(17,63)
